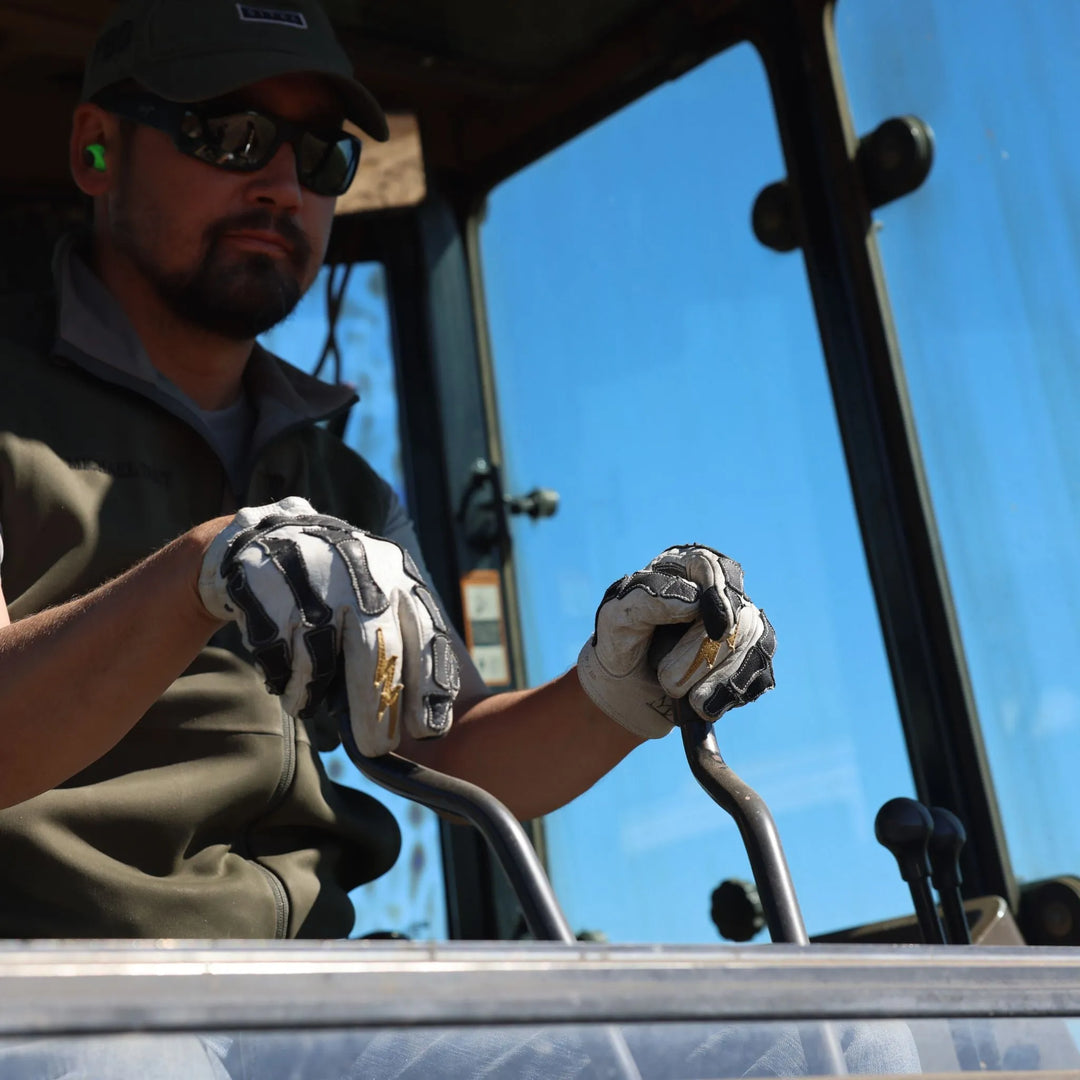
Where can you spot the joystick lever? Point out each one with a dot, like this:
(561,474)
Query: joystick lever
(946,841)
(905,826)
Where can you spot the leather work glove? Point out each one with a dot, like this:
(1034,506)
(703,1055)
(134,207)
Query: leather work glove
(721,661)
(333,613)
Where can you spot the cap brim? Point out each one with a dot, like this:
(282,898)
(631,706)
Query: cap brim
(188,80)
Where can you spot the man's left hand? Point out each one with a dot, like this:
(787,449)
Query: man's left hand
(640,658)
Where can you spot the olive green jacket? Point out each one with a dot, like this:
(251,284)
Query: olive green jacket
(213,817)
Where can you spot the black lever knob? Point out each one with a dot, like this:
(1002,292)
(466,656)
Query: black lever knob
(905,826)
(946,843)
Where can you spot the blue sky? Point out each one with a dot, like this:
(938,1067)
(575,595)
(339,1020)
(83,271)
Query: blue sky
(662,371)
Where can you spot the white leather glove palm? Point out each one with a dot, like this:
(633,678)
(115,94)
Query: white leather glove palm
(722,661)
(333,613)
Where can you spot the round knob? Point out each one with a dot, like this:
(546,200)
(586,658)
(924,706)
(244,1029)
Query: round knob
(736,910)
(948,837)
(905,826)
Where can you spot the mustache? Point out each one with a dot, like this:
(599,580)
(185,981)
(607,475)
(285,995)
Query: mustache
(264,221)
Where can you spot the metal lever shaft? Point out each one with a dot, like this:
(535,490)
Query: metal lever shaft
(496,824)
(507,839)
(755,822)
(824,1055)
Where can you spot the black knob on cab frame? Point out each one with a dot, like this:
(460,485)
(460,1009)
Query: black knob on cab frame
(736,910)
(905,826)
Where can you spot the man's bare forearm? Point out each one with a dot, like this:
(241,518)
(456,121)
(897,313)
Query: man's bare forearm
(76,678)
(535,750)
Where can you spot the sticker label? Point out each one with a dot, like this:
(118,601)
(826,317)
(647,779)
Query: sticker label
(295,19)
(485,633)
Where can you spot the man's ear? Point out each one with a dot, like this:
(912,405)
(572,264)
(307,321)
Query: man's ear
(94,150)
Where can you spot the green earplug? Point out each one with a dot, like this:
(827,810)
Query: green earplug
(95,156)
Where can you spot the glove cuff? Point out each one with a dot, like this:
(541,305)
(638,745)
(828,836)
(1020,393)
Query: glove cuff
(626,705)
(211,585)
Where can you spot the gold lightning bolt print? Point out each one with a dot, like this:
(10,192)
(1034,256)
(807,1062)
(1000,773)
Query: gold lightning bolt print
(705,655)
(384,683)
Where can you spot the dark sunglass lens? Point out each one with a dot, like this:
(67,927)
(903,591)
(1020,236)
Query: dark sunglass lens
(238,141)
(327,168)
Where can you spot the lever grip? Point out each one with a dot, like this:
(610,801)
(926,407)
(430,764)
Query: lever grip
(491,818)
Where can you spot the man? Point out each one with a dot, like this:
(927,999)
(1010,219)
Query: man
(154,786)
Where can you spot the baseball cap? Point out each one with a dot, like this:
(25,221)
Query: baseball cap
(195,50)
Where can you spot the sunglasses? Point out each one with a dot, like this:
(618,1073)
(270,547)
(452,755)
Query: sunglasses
(244,140)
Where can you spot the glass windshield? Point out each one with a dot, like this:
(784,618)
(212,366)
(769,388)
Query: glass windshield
(662,371)
(983,269)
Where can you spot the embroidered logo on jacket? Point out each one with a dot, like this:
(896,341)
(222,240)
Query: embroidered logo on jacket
(125,470)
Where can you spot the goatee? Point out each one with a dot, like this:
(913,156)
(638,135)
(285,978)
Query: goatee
(235,294)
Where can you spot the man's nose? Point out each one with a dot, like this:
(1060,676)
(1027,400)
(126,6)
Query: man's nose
(277,183)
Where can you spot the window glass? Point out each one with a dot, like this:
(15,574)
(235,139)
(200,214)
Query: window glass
(983,267)
(702,1050)
(411,898)
(662,371)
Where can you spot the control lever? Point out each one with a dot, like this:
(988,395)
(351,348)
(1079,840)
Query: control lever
(490,817)
(507,838)
(775,889)
(974,1040)
(905,826)
(541,910)
(761,839)
(756,826)
(946,842)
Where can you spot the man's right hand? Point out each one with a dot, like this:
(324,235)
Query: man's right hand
(333,613)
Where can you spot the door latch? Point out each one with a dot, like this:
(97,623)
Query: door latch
(485,508)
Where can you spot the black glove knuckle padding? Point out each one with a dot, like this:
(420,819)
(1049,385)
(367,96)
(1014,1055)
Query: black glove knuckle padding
(269,650)
(664,586)
(273,654)
(445,669)
(733,572)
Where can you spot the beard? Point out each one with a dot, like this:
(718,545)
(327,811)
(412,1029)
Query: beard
(234,294)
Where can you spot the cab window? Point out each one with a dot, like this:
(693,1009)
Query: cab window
(983,269)
(662,371)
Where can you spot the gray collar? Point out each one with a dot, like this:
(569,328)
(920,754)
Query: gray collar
(94,332)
